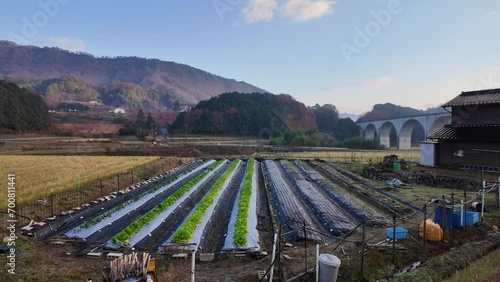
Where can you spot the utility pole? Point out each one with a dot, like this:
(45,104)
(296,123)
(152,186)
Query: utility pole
(193,262)
(425,227)
(394,237)
(305,245)
(363,247)
(279,252)
(271,273)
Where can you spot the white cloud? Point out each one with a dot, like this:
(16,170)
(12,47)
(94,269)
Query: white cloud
(260,10)
(376,82)
(303,10)
(70,44)
(491,14)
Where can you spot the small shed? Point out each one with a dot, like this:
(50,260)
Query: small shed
(428,153)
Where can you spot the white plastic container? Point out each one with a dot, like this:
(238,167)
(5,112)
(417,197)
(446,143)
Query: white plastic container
(328,268)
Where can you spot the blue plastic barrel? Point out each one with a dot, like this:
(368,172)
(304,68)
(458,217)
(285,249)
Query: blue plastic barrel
(445,222)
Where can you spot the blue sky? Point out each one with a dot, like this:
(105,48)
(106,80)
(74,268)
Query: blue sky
(349,53)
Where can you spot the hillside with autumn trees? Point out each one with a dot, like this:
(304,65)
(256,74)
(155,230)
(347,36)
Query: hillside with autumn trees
(258,115)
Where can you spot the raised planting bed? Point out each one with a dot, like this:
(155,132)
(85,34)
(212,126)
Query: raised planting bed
(372,195)
(366,184)
(311,173)
(185,232)
(215,233)
(332,216)
(127,233)
(289,210)
(345,200)
(242,229)
(114,215)
(241,226)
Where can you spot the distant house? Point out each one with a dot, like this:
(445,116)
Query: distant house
(117,111)
(472,140)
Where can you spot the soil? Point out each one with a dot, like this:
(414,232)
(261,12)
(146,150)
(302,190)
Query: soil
(89,129)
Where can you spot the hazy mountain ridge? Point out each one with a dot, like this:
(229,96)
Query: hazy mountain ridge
(177,81)
(390,111)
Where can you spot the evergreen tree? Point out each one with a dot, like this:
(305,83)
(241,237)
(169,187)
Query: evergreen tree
(150,123)
(21,110)
(345,129)
(326,117)
(140,125)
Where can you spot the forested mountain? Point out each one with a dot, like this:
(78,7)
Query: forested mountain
(72,89)
(258,115)
(389,111)
(21,110)
(117,81)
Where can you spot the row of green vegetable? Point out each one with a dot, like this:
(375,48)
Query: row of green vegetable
(241,225)
(186,231)
(132,229)
(95,220)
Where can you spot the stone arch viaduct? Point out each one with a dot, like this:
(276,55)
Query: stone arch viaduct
(404,127)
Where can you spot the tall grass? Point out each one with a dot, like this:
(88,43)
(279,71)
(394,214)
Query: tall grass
(347,156)
(37,175)
(484,269)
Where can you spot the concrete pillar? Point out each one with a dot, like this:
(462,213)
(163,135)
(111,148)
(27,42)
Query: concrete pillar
(404,142)
(385,141)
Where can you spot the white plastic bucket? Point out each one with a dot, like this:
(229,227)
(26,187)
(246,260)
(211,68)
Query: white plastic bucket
(328,268)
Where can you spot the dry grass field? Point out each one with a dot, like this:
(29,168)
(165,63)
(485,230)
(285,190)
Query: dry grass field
(346,156)
(36,175)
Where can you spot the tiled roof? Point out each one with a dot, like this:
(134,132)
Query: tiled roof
(479,97)
(464,132)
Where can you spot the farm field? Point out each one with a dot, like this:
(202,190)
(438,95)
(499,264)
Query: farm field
(182,204)
(223,206)
(227,206)
(343,155)
(87,129)
(36,175)
(201,206)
